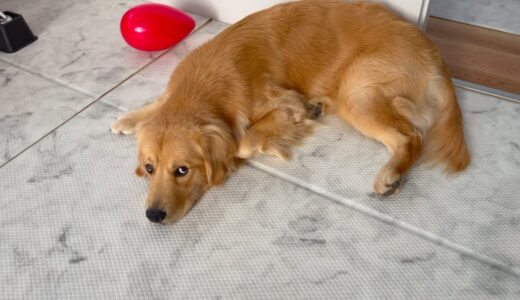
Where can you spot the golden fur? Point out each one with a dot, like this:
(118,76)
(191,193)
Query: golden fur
(258,85)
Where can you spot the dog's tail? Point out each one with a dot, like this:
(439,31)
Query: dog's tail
(445,138)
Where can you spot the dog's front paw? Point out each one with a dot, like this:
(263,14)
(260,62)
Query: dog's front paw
(252,145)
(315,110)
(248,147)
(387,182)
(123,126)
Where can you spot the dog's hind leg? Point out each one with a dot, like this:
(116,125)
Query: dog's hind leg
(385,120)
(290,120)
(129,122)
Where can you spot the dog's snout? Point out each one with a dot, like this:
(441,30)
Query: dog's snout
(155,215)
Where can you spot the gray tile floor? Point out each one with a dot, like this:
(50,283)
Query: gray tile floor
(499,15)
(72,221)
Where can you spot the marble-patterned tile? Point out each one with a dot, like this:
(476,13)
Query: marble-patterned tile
(79,43)
(478,208)
(72,225)
(152,80)
(30,107)
(499,15)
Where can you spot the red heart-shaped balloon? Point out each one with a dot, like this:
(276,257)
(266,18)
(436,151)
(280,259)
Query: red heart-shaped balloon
(153,27)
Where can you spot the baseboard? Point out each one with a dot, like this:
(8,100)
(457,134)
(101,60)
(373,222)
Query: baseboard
(486,90)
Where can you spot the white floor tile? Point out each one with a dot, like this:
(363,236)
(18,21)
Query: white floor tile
(31,107)
(79,43)
(72,225)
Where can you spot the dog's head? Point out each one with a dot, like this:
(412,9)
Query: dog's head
(182,157)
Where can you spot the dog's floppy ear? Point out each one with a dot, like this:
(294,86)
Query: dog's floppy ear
(139,170)
(218,150)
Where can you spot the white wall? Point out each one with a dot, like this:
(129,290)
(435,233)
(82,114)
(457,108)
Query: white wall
(230,11)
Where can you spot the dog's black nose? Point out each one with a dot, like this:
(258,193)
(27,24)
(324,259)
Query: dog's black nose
(155,215)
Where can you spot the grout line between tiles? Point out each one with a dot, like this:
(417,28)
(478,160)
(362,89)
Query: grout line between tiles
(96,100)
(124,109)
(84,91)
(49,78)
(424,234)
(58,126)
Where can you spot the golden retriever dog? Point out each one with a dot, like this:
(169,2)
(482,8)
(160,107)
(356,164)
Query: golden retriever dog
(260,85)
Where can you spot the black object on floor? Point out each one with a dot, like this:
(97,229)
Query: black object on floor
(14,32)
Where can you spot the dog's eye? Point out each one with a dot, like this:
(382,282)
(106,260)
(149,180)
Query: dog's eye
(149,168)
(181,171)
